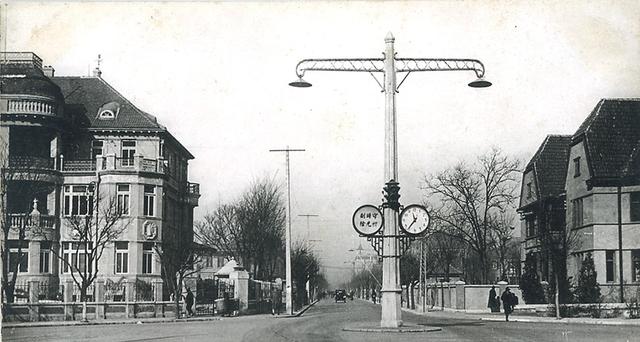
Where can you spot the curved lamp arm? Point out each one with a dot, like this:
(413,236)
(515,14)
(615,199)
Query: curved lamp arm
(377,65)
(439,64)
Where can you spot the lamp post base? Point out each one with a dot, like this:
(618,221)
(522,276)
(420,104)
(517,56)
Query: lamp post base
(391,313)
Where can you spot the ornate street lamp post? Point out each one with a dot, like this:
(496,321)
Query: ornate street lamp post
(390,66)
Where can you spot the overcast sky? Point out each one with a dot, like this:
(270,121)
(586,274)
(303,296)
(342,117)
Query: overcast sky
(216,74)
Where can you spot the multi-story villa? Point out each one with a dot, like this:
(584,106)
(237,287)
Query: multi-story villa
(542,203)
(603,195)
(66,140)
(587,186)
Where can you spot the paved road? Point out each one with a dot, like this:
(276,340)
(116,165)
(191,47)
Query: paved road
(324,322)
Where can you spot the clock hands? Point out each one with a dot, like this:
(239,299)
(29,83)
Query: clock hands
(412,222)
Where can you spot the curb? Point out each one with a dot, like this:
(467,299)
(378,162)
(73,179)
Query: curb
(562,321)
(299,313)
(10,325)
(533,319)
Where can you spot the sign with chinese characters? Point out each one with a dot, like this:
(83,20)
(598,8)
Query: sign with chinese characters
(367,220)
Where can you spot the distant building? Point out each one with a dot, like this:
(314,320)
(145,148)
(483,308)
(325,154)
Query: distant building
(74,136)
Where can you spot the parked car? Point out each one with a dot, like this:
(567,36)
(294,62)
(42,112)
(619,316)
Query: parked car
(341,296)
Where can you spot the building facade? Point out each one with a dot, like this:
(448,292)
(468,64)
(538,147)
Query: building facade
(68,147)
(603,195)
(542,205)
(584,190)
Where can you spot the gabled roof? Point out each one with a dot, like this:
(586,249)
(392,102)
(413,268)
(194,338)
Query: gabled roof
(84,96)
(549,165)
(611,135)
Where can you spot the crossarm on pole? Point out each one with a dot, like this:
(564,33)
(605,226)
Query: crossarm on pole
(341,64)
(439,64)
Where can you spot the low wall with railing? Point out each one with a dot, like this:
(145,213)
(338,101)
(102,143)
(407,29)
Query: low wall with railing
(36,301)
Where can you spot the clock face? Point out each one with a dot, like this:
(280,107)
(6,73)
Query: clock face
(414,219)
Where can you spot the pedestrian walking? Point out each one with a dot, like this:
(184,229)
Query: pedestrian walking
(509,301)
(189,302)
(227,303)
(373,296)
(276,298)
(494,302)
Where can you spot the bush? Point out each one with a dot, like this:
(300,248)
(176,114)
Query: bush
(633,307)
(532,291)
(588,290)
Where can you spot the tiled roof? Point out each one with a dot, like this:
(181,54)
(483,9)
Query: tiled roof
(550,165)
(611,135)
(84,96)
(24,78)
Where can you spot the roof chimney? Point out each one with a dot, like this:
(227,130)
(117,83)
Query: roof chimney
(48,70)
(97,72)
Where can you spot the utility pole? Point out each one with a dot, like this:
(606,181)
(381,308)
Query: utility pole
(308,216)
(288,231)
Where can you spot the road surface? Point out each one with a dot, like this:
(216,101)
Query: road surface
(324,322)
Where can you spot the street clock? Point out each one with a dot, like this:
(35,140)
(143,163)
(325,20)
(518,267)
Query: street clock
(414,219)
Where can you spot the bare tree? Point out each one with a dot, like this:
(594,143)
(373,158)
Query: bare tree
(92,232)
(180,258)
(502,242)
(469,198)
(251,230)
(305,266)
(19,178)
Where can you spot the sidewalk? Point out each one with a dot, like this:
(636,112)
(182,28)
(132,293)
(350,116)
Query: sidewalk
(107,322)
(499,317)
(8,325)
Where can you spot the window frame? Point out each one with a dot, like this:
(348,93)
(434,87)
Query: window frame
(576,167)
(147,258)
(74,197)
(149,201)
(121,257)
(123,199)
(577,212)
(610,265)
(634,206)
(128,152)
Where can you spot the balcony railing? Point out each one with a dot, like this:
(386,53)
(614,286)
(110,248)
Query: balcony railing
(31,107)
(31,162)
(25,220)
(79,165)
(111,162)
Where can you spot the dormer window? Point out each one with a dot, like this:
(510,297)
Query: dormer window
(107,115)
(529,190)
(109,111)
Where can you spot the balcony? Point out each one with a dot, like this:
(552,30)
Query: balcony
(111,162)
(17,221)
(36,107)
(193,193)
(79,165)
(31,162)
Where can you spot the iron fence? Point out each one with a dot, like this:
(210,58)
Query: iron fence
(51,292)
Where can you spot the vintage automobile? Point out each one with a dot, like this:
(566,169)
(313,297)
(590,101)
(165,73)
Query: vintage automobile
(341,296)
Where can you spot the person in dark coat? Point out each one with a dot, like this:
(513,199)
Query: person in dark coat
(509,300)
(373,295)
(276,299)
(494,302)
(189,302)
